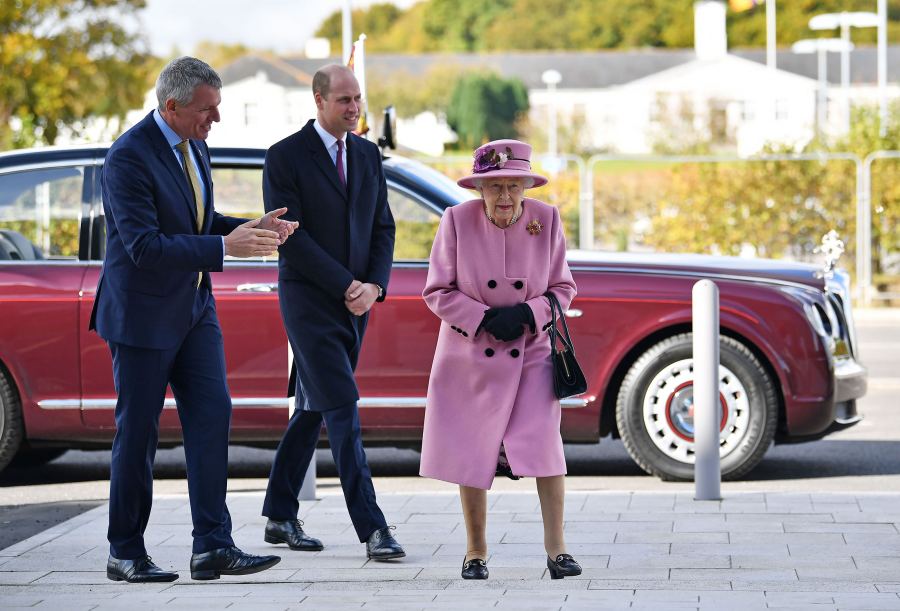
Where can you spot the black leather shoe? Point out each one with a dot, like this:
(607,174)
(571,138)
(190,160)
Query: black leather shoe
(140,570)
(563,566)
(476,568)
(228,561)
(291,532)
(382,545)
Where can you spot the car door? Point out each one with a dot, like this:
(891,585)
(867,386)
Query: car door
(247,306)
(42,265)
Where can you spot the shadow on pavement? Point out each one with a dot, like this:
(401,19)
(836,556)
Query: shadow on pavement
(818,459)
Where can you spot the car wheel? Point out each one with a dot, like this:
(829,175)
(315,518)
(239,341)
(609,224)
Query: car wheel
(11,425)
(654,409)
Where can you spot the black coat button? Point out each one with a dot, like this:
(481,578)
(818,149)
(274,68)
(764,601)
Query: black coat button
(492,284)
(489,352)
(454,327)
(514,353)
(518,284)
(464,334)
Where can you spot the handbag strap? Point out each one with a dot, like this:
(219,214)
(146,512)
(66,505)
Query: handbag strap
(563,336)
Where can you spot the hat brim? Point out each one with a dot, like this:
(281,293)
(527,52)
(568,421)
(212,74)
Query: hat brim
(468,182)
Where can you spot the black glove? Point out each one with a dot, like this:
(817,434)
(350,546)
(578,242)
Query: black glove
(506,324)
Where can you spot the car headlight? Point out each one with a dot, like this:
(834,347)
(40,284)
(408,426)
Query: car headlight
(823,322)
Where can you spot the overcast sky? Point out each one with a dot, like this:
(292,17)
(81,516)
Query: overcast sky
(282,25)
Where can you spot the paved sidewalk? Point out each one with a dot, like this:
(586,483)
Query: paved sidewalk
(641,550)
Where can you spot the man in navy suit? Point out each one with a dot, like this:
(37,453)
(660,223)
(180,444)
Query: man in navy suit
(331,272)
(155,309)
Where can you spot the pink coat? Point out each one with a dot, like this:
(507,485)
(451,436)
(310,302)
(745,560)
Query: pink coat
(484,392)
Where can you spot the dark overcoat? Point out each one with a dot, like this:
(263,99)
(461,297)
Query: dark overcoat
(344,234)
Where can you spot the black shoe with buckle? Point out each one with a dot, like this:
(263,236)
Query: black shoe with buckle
(563,566)
(476,568)
(228,561)
(139,570)
(381,545)
(291,532)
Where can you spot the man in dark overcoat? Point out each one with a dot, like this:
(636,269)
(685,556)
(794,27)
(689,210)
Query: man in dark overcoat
(331,272)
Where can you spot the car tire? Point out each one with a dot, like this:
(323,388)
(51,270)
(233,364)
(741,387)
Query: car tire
(12,427)
(655,402)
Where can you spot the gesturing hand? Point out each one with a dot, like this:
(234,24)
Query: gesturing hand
(283,228)
(248,240)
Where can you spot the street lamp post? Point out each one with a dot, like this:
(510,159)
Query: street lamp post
(821,46)
(844,20)
(551,79)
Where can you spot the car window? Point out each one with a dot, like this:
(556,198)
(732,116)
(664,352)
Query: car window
(40,213)
(239,193)
(416,226)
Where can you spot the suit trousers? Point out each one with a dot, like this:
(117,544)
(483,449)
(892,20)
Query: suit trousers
(195,369)
(297,449)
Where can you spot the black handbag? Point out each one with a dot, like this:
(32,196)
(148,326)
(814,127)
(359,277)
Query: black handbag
(568,378)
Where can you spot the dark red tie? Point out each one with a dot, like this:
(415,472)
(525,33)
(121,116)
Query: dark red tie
(340,162)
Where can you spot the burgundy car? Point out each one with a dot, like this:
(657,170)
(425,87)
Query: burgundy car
(788,351)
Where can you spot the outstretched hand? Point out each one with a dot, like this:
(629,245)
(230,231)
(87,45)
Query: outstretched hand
(248,240)
(271,222)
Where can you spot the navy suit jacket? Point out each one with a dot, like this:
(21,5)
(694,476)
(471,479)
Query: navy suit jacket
(148,284)
(344,234)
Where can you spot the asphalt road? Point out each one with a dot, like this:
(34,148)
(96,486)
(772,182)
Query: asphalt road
(865,457)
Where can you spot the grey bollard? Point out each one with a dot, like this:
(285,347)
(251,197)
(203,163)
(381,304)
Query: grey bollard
(707,410)
(308,489)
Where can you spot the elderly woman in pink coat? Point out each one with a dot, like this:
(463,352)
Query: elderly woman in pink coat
(491,407)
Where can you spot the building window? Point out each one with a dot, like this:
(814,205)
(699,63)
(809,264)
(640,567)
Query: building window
(251,114)
(748,111)
(781,110)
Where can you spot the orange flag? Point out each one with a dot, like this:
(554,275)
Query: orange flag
(744,5)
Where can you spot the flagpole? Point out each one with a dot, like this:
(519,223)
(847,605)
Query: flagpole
(882,68)
(346,31)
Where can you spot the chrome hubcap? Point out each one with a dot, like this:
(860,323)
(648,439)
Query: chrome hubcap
(668,411)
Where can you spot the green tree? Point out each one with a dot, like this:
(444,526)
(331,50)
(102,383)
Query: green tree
(63,61)
(505,25)
(374,22)
(485,106)
(412,94)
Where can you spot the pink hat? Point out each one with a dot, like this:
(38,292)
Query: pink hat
(502,159)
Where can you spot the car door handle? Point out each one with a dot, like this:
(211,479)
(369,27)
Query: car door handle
(258,287)
(574,313)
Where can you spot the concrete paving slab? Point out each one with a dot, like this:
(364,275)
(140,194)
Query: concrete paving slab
(640,550)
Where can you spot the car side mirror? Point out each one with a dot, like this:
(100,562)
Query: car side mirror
(388,130)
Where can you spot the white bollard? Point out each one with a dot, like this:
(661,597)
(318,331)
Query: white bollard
(308,489)
(707,409)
